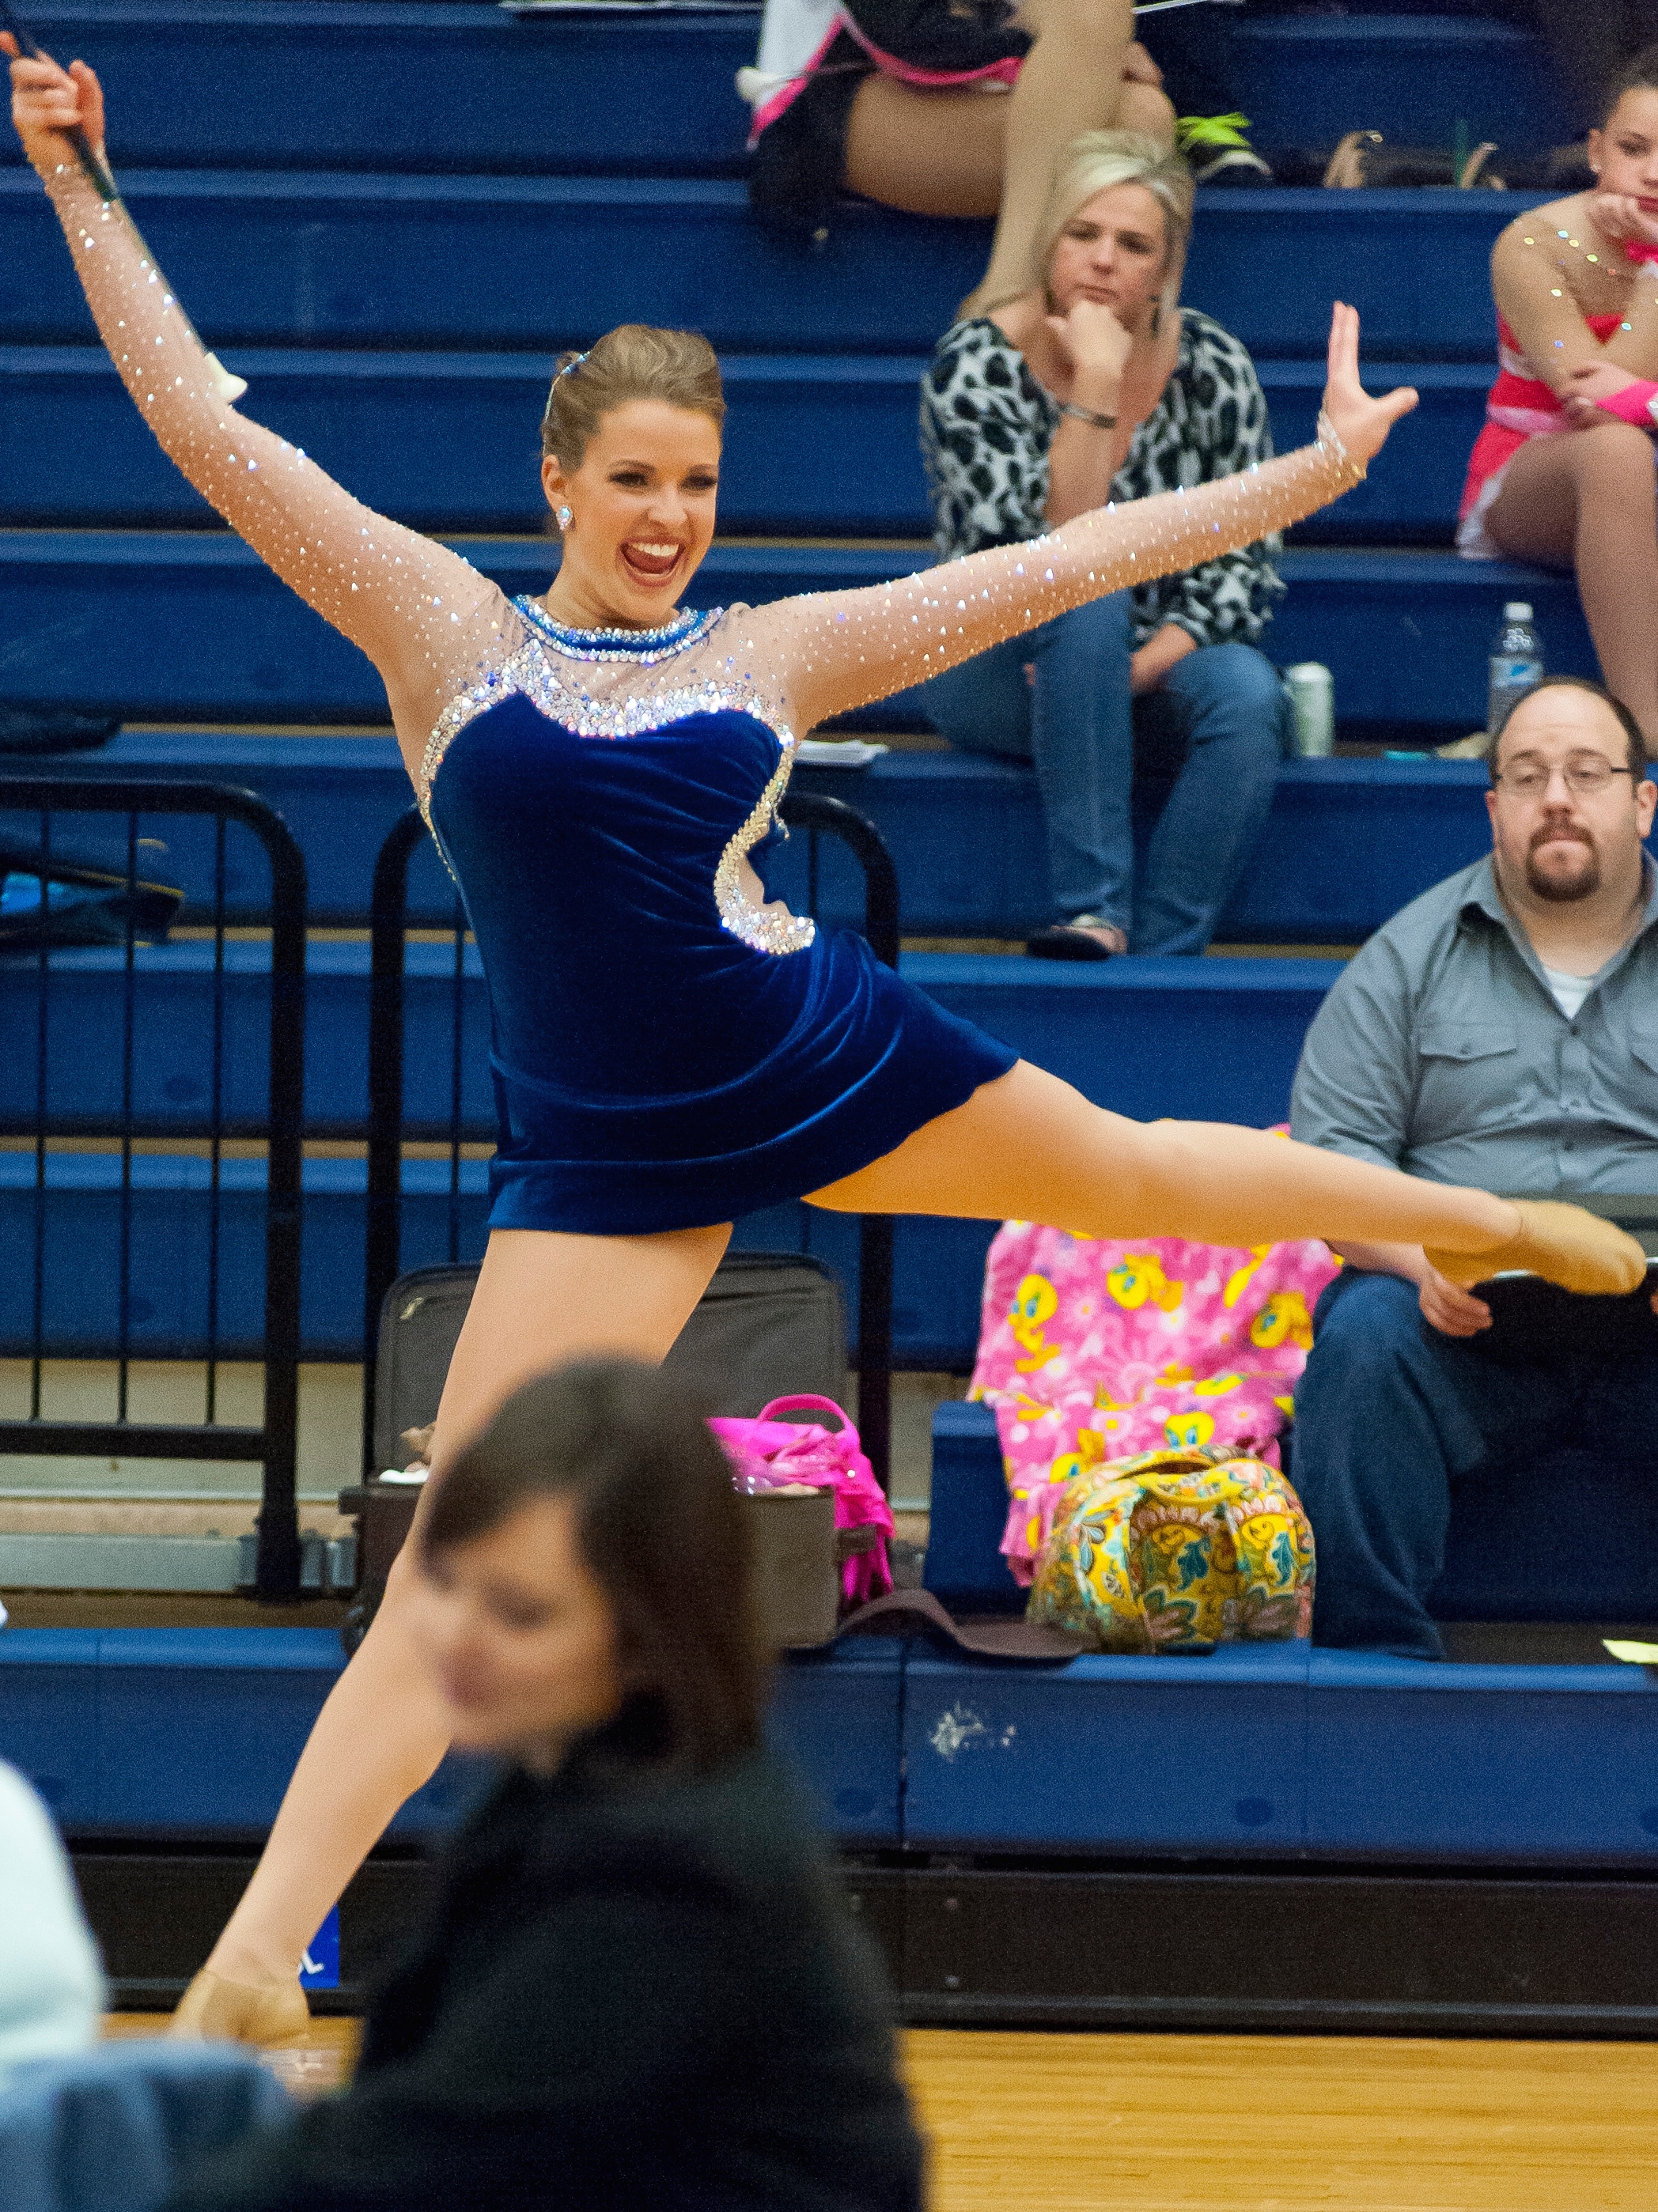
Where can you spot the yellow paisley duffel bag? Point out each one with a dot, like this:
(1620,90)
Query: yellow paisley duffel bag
(1177,1551)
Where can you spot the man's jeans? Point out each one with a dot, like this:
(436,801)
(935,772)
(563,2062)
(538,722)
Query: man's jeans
(1076,723)
(1390,1415)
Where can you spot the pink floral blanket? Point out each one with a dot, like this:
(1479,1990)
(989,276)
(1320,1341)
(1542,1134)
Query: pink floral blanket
(1091,1349)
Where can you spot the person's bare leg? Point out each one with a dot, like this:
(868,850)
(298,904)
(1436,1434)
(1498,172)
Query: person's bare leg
(929,153)
(542,1298)
(1028,1147)
(1586,499)
(1072,81)
(948,152)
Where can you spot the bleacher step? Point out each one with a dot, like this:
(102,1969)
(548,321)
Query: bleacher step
(1215,1039)
(1148,1036)
(183,1729)
(342,84)
(189,626)
(46,1561)
(825,444)
(1346,843)
(264,258)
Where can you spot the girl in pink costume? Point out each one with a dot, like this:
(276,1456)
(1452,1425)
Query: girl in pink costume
(1563,471)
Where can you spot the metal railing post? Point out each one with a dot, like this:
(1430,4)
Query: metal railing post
(274,1442)
(815,811)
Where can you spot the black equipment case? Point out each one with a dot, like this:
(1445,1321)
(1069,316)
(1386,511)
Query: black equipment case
(770,1325)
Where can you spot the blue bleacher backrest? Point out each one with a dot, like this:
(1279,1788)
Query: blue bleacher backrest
(964,1567)
(1565,1536)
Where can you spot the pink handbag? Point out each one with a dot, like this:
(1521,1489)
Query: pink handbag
(767,1453)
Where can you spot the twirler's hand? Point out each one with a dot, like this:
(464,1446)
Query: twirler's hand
(1362,423)
(48,104)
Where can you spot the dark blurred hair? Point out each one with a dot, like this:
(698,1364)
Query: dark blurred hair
(1638,74)
(659,1529)
(1631,728)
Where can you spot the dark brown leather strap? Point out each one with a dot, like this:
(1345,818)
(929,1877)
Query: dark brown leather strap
(987,1636)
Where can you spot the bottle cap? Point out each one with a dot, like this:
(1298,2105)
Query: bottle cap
(1517,610)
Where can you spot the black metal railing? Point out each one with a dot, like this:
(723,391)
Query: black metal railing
(389,1123)
(121,1058)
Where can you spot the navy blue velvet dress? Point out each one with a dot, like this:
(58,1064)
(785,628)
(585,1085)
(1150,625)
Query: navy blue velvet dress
(666,1055)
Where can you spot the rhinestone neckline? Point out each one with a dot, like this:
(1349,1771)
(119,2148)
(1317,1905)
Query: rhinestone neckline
(641,647)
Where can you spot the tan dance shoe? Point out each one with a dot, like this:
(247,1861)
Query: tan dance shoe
(270,2015)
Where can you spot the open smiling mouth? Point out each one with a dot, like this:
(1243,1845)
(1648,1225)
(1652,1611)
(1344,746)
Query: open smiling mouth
(651,561)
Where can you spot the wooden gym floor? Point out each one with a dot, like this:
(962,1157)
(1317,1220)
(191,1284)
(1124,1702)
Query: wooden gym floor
(1036,2123)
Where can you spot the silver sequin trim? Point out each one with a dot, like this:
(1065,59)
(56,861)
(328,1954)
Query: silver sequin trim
(764,929)
(527,671)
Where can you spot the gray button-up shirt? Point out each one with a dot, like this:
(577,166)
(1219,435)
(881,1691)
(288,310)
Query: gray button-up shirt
(1441,1050)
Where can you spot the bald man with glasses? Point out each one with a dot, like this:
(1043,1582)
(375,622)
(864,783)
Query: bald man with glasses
(1501,1030)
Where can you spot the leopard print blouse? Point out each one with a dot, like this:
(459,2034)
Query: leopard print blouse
(986,426)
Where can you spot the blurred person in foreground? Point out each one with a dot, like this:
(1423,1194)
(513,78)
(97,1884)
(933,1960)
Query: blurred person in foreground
(52,1984)
(637,1985)
(1500,1030)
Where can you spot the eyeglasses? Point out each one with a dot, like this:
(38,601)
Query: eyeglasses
(1585,774)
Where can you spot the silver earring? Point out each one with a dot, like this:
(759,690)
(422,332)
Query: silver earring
(564,517)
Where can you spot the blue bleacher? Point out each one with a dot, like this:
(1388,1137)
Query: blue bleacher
(1274,1750)
(304,84)
(389,216)
(1351,1753)
(197,1729)
(1123,1033)
(91,620)
(274,259)
(78,452)
(1282,1751)
(1346,843)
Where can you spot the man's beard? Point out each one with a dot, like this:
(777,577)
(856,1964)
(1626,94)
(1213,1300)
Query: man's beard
(1562,891)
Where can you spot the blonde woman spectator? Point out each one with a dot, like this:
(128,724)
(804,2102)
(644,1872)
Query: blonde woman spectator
(1091,383)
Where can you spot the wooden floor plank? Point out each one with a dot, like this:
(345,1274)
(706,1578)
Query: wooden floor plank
(1023,2122)
(1284,2123)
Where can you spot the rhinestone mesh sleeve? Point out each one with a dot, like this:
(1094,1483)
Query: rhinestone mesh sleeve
(426,618)
(841,649)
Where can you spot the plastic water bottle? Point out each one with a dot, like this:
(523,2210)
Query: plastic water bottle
(1517,664)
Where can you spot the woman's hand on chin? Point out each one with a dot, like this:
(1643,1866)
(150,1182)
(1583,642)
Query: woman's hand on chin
(1091,340)
(1362,423)
(48,104)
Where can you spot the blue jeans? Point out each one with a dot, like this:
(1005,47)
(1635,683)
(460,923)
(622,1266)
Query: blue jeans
(1223,703)
(1390,1415)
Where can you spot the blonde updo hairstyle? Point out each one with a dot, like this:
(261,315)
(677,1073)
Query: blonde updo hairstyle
(632,362)
(1096,161)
